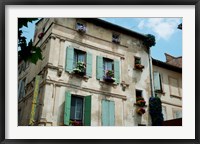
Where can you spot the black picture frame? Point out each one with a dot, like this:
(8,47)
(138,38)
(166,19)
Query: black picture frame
(4,3)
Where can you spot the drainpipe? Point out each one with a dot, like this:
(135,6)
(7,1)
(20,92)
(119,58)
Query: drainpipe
(151,74)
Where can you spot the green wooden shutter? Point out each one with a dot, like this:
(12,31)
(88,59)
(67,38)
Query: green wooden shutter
(116,71)
(89,65)
(157,84)
(99,69)
(67,108)
(87,111)
(111,113)
(105,114)
(69,59)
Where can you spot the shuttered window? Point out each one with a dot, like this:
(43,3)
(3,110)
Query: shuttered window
(77,109)
(157,82)
(108,113)
(105,64)
(73,56)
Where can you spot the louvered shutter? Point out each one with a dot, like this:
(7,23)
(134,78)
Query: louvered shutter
(87,111)
(99,69)
(67,108)
(157,84)
(116,71)
(89,65)
(69,59)
(111,113)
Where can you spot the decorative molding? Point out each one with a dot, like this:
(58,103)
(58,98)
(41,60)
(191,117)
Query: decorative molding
(86,89)
(90,46)
(124,85)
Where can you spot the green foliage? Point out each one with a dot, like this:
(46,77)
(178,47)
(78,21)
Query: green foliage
(80,67)
(155,110)
(150,40)
(28,52)
(110,73)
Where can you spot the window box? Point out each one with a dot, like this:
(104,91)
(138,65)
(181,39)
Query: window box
(75,123)
(140,101)
(115,38)
(80,68)
(109,76)
(139,66)
(80,28)
(140,111)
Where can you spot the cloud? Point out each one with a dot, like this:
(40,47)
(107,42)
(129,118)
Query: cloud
(141,24)
(163,27)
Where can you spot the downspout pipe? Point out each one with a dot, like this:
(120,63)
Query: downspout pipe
(151,74)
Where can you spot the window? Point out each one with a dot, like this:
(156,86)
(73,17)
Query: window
(77,110)
(174,88)
(140,101)
(138,64)
(21,88)
(108,113)
(157,82)
(137,60)
(115,38)
(107,69)
(78,62)
(138,93)
(177,114)
(79,56)
(108,65)
(80,27)
(164,112)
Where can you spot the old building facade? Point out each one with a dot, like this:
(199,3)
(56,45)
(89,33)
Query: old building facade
(168,86)
(93,73)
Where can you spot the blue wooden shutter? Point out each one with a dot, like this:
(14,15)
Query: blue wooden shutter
(69,59)
(87,111)
(89,65)
(67,108)
(111,113)
(105,114)
(99,69)
(157,84)
(116,71)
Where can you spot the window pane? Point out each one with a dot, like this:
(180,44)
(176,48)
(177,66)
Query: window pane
(72,113)
(79,105)
(76,108)
(81,57)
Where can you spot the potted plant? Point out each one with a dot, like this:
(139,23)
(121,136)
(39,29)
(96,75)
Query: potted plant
(80,68)
(75,123)
(109,77)
(140,111)
(41,35)
(140,101)
(81,28)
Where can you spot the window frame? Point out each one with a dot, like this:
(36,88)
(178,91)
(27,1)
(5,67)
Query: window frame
(82,108)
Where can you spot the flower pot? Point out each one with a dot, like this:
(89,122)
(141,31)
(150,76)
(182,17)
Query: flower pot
(79,72)
(109,79)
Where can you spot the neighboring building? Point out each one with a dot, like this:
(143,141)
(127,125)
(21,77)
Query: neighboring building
(168,85)
(79,54)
